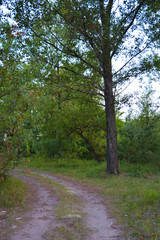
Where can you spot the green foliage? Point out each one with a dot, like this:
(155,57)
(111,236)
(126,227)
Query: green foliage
(139,140)
(12,192)
(11,97)
(73,126)
(15,85)
(139,143)
(49,147)
(8,160)
(80,40)
(55,94)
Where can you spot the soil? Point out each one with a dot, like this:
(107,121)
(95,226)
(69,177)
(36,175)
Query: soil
(40,216)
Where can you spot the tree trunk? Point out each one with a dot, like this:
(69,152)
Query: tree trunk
(111,153)
(96,156)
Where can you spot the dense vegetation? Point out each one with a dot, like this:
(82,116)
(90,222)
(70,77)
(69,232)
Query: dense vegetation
(54,96)
(68,48)
(57,124)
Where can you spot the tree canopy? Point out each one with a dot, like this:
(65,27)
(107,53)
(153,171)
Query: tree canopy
(75,43)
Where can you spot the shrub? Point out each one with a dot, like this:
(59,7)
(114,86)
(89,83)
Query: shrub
(140,141)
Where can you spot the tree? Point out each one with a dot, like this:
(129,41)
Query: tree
(139,139)
(65,120)
(14,90)
(85,37)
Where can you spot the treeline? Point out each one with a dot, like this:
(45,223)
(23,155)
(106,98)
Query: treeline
(78,130)
(60,125)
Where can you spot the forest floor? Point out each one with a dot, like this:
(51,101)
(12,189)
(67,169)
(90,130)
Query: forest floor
(61,209)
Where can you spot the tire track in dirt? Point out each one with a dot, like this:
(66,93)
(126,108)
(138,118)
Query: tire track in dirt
(97,219)
(40,218)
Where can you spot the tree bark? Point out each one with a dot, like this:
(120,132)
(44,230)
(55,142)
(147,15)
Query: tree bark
(96,156)
(111,153)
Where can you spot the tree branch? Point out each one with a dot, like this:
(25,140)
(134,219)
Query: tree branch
(84,99)
(140,51)
(69,51)
(83,32)
(128,27)
(92,92)
(6,93)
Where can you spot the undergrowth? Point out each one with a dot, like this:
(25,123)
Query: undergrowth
(12,192)
(12,203)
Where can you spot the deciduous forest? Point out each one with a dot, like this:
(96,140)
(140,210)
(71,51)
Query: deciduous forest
(64,70)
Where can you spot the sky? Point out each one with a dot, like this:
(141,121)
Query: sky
(137,89)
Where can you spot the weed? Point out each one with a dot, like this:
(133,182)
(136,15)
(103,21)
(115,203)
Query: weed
(12,200)
(12,192)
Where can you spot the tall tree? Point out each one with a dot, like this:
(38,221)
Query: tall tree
(90,35)
(15,85)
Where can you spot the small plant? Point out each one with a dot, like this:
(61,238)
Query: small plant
(7,161)
(12,192)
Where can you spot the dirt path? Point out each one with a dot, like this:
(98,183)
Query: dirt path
(40,218)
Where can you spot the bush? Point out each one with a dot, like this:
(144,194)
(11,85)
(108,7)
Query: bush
(8,160)
(140,140)
(12,192)
(49,147)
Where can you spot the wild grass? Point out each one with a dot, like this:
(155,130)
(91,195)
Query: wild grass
(133,196)
(135,204)
(12,202)
(12,192)
(88,168)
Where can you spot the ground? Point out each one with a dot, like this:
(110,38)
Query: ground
(60,209)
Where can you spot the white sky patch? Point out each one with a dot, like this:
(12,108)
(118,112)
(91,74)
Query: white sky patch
(1,63)
(4,10)
(137,89)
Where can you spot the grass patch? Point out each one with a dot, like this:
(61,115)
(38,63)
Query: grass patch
(135,204)
(61,233)
(12,193)
(70,166)
(133,196)
(12,201)
(88,168)
(139,170)
(68,230)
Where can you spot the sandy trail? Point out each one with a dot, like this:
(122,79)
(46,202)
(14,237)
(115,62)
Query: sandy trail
(97,218)
(41,217)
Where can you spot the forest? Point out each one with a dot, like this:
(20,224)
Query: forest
(64,71)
